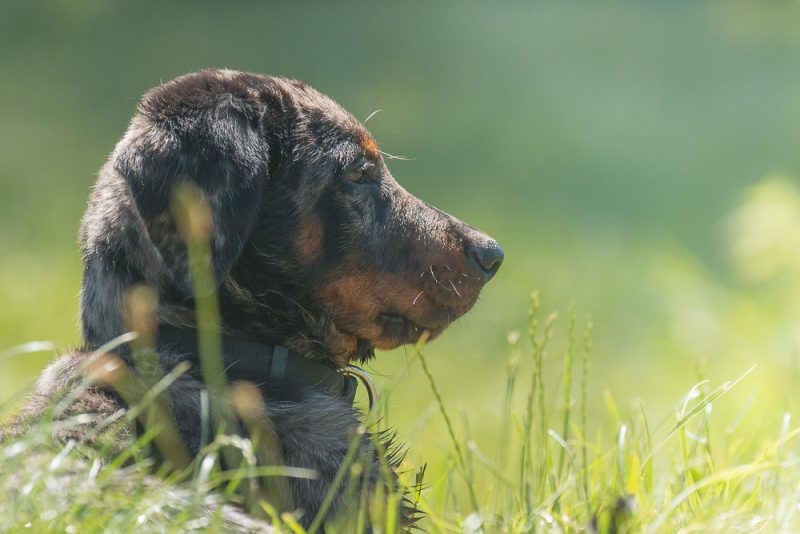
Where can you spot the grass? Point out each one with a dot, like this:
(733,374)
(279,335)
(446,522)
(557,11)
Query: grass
(547,474)
(616,160)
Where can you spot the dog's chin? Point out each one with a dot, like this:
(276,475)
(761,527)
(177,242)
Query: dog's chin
(397,330)
(356,337)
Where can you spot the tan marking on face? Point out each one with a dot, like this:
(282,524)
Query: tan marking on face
(370,147)
(308,241)
(352,298)
(356,302)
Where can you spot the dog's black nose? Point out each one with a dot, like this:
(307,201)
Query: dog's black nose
(486,255)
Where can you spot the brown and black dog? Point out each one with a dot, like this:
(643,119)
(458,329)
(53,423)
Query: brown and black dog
(318,255)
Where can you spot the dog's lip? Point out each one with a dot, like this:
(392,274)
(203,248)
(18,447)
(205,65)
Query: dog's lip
(400,326)
(393,318)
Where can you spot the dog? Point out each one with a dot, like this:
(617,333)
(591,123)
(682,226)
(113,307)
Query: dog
(318,257)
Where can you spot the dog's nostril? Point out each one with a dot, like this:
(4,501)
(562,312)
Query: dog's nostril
(487,256)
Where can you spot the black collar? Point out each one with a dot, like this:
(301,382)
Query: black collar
(279,373)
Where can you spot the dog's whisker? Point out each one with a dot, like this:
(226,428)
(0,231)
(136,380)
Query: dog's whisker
(438,282)
(454,289)
(441,284)
(433,275)
(444,287)
(414,302)
(390,156)
(372,115)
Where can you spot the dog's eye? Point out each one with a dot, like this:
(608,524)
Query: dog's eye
(361,172)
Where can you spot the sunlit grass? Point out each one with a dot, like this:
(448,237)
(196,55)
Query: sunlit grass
(627,477)
(546,474)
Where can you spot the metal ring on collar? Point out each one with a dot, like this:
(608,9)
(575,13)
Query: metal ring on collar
(366,380)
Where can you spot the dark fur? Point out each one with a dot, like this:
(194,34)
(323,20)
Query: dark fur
(314,246)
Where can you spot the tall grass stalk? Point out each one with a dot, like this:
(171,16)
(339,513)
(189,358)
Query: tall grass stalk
(350,456)
(587,351)
(567,400)
(536,471)
(462,462)
(195,223)
(526,459)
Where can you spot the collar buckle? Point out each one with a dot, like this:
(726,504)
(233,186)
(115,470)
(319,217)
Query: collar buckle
(362,376)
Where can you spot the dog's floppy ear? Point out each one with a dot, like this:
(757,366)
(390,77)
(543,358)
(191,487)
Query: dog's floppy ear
(205,128)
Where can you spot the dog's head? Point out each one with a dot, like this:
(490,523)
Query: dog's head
(314,243)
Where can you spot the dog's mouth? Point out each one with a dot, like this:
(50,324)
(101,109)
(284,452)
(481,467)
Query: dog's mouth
(384,312)
(384,331)
(398,330)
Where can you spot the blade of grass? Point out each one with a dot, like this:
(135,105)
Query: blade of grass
(698,408)
(448,424)
(567,399)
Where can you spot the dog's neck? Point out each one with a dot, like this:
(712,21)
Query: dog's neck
(276,318)
(282,374)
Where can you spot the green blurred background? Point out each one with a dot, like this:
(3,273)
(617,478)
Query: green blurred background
(639,159)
